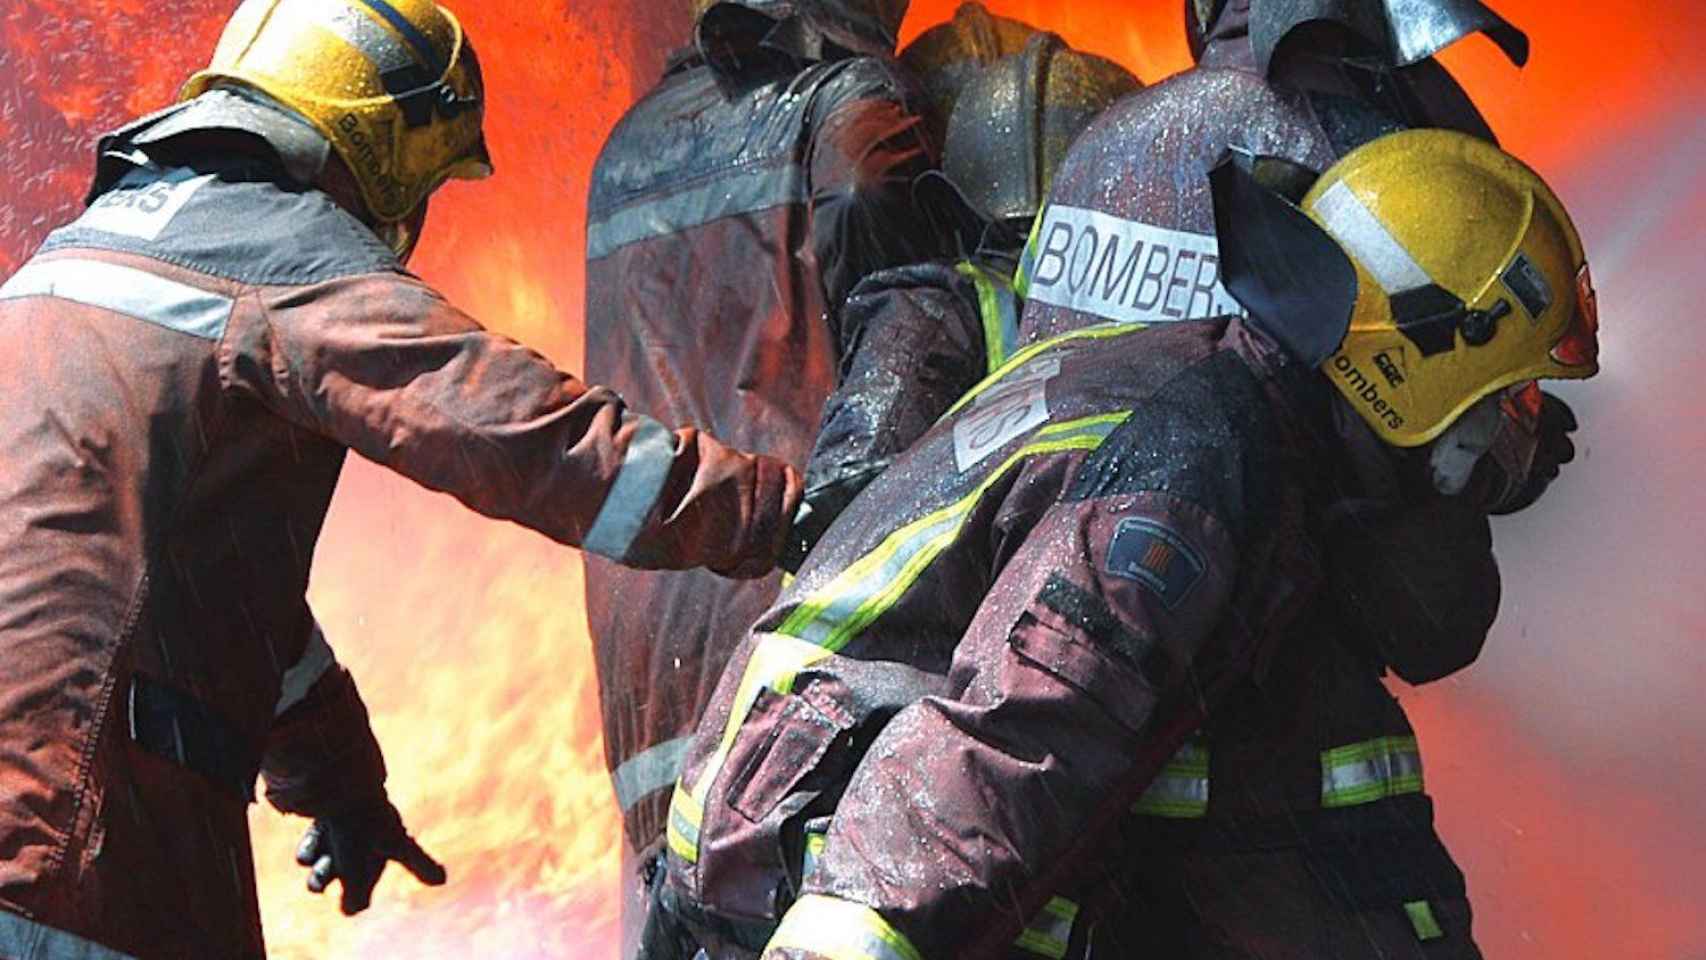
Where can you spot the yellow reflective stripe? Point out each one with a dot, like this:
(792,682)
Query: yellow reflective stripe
(840,930)
(1180,791)
(815,842)
(1098,332)
(833,615)
(685,815)
(1050,932)
(1369,771)
(1422,918)
(998,309)
(836,613)
(1022,277)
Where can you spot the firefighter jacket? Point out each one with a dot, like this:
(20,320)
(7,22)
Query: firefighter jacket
(914,340)
(185,366)
(1319,766)
(994,652)
(732,211)
(1128,231)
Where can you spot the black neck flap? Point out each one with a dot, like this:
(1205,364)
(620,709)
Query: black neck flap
(1295,280)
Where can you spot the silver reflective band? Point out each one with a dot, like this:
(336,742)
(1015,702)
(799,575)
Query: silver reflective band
(1367,239)
(1049,934)
(651,452)
(316,659)
(25,939)
(759,188)
(134,293)
(360,31)
(1369,771)
(1181,789)
(649,771)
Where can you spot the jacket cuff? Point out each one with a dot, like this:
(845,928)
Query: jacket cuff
(828,928)
(322,757)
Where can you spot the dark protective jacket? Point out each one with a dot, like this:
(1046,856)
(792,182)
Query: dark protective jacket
(995,650)
(1275,802)
(914,340)
(184,367)
(732,211)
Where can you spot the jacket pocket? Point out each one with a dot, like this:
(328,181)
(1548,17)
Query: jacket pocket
(784,738)
(1107,678)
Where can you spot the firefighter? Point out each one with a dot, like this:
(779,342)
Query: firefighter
(916,338)
(731,211)
(940,741)
(186,365)
(1414,576)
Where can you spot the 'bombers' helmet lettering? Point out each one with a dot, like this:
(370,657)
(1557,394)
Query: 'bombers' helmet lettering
(1457,273)
(393,85)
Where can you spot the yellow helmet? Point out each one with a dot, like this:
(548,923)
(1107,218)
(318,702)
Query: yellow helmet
(393,85)
(1470,278)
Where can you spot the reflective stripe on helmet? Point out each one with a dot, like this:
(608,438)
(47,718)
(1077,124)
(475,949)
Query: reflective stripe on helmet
(1369,771)
(418,41)
(998,307)
(1367,239)
(127,290)
(840,930)
(361,32)
(645,467)
(649,771)
(1180,792)
(1049,934)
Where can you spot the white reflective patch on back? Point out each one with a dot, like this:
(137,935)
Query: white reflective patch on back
(1124,270)
(1368,240)
(143,203)
(1008,409)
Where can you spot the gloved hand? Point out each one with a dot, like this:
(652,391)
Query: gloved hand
(1555,423)
(353,848)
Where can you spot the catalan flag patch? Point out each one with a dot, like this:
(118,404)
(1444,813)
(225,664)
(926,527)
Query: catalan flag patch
(1148,552)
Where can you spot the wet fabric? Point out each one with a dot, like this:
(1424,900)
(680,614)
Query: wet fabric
(186,365)
(732,211)
(915,339)
(987,660)
(1129,235)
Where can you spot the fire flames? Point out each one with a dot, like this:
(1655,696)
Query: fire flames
(468,637)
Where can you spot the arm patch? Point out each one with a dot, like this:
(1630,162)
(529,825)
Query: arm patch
(1148,552)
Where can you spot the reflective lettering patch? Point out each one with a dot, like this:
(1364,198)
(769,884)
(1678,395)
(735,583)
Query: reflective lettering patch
(1006,410)
(1124,270)
(143,203)
(1156,557)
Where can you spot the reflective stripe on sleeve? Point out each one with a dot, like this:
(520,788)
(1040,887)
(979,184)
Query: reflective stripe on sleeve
(127,290)
(832,616)
(1357,229)
(22,937)
(815,843)
(1422,920)
(316,659)
(751,190)
(840,930)
(649,771)
(1369,771)
(1180,792)
(1050,933)
(645,467)
(998,307)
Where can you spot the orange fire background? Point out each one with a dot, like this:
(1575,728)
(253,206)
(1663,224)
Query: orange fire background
(1569,765)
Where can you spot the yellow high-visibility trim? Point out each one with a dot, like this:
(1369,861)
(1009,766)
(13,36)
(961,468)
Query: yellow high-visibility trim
(1000,337)
(1422,918)
(840,930)
(1099,332)
(1369,771)
(778,657)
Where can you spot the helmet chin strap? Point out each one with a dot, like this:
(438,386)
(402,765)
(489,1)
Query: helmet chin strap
(1452,460)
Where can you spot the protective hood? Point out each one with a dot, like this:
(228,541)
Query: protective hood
(807,30)
(300,148)
(1397,32)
